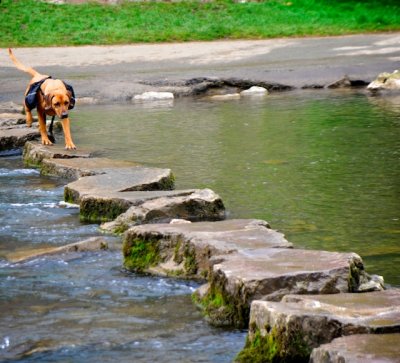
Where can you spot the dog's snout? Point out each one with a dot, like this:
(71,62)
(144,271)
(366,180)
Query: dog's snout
(64,115)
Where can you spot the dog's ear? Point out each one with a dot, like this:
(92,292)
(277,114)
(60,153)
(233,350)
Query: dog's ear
(47,101)
(71,100)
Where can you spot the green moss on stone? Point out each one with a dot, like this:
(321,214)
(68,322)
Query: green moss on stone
(217,307)
(355,271)
(276,346)
(140,254)
(190,263)
(100,210)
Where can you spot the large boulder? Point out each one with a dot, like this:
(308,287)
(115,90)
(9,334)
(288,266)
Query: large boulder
(237,279)
(191,205)
(386,81)
(186,249)
(363,348)
(287,331)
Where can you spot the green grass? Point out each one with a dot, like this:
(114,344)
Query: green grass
(34,23)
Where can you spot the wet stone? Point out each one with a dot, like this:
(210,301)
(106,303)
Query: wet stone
(76,168)
(89,245)
(239,278)
(193,205)
(147,207)
(299,324)
(11,119)
(186,249)
(10,107)
(364,348)
(35,152)
(16,137)
(119,180)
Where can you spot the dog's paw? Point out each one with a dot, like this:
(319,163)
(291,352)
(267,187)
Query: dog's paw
(46,142)
(70,147)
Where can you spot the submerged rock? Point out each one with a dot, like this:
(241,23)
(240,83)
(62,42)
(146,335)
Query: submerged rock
(237,279)
(88,245)
(363,348)
(289,330)
(386,81)
(193,205)
(186,249)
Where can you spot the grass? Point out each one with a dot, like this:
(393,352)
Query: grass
(35,23)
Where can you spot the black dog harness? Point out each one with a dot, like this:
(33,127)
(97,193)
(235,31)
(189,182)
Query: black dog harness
(31,98)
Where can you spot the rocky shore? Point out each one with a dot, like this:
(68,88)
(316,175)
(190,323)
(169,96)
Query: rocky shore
(298,305)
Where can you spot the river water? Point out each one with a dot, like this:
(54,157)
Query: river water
(322,167)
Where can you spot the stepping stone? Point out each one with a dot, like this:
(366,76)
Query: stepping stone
(119,180)
(9,120)
(35,152)
(186,249)
(17,137)
(364,348)
(107,206)
(293,327)
(10,107)
(193,205)
(76,168)
(239,278)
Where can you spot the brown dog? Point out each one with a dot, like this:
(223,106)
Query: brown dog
(51,97)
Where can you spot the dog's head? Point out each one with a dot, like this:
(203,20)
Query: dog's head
(60,103)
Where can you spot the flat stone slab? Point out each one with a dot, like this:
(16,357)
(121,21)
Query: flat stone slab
(298,324)
(239,278)
(35,152)
(13,138)
(92,244)
(76,168)
(149,207)
(118,181)
(186,249)
(10,119)
(364,348)
(192,205)
(10,107)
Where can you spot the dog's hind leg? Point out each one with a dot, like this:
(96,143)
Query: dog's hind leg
(28,116)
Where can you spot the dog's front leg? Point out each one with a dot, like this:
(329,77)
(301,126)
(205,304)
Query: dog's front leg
(67,134)
(42,129)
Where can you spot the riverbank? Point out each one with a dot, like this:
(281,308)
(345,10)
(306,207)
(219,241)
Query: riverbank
(118,73)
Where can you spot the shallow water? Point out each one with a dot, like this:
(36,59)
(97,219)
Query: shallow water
(323,167)
(84,307)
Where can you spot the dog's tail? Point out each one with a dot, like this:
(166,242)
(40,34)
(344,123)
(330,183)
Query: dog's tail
(20,66)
